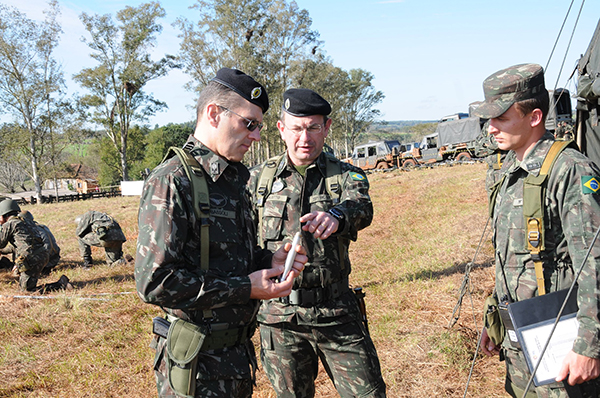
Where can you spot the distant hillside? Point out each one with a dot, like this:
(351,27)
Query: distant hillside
(402,123)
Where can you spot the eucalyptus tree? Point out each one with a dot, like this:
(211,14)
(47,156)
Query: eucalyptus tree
(357,112)
(263,38)
(30,78)
(332,83)
(12,172)
(115,85)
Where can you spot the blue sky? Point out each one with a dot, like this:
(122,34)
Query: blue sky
(429,57)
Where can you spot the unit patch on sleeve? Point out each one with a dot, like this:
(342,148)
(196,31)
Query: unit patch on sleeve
(357,177)
(589,184)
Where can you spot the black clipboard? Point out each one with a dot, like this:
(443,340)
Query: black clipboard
(532,320)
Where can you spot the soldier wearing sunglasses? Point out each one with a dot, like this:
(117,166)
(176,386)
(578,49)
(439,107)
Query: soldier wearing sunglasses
(215,300)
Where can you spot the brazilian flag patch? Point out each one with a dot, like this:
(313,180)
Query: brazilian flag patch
(589,184)
(357,177)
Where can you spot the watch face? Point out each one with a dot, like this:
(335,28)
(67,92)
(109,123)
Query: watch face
(337,214)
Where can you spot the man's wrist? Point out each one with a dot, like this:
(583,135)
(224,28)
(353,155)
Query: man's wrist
(338,215)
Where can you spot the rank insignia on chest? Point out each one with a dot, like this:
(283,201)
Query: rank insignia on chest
(589,184)
(277,186)
(357,177)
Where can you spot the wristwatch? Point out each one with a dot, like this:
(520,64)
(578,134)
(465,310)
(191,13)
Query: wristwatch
(338,214)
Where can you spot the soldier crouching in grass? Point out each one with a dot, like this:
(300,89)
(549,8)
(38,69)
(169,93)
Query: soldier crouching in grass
(98,229)
(31,255)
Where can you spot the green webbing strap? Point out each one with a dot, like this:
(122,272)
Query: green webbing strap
(334,188)
(200,200)
(333,179)
(493,194)
(534,192)
(267,174)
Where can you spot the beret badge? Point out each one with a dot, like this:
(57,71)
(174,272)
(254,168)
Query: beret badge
(256,92)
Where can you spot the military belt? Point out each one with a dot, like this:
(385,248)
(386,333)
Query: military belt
(317,295)
(220,335)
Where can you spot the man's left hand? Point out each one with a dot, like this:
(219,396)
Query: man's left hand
(319,223)
(578,368)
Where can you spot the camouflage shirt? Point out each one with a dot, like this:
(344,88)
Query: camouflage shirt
(25,237)
(293,195)
(572,216)
(167,269)
(92,220)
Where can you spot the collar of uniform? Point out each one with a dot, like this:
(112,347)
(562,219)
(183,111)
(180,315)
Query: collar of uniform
(321,164)
(532,162)
(213,164)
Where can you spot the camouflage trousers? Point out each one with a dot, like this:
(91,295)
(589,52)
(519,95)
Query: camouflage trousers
(113,249)
(290,355)
(217,388)
(517,376)
(30,269)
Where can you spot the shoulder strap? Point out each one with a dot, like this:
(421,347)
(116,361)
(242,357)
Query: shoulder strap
(200,197)
(534,193)
(333,184)
(263,189)
(333,179)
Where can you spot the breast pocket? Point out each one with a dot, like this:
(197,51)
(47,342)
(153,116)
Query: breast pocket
(320,203)
(273,216)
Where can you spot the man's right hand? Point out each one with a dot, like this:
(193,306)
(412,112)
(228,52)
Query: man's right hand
(487,345)
(265,286)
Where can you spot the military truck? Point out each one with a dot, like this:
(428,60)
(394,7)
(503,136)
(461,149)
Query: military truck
(453,140)
(376,155)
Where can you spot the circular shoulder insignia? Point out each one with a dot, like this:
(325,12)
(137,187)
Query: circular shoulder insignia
(256,92)
(277,186)
(287,104)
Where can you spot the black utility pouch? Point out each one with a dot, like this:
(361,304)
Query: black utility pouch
(503,308)
(184,342)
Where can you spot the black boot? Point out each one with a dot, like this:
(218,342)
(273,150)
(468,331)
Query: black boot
(61,284)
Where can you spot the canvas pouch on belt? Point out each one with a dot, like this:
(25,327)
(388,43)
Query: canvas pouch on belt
(493,321)
(184,341)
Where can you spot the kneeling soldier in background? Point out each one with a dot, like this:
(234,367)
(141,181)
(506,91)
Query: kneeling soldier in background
(31,256)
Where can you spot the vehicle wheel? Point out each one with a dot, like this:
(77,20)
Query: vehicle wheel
(463,156)
(383,165)
(409,163)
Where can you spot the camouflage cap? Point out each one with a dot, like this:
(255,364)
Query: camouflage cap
(510,85)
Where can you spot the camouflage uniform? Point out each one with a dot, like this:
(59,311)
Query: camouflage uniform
(100,230)
(168,270)
(487,148)
(572,215)
(31,256)
(327,323)
(49,242)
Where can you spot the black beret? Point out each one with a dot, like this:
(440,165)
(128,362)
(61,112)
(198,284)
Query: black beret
(244,85)
(304,102)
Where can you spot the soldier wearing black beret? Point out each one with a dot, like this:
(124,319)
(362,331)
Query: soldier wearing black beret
(202,266)
(309,191)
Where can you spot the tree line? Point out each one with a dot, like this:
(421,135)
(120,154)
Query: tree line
(271,40)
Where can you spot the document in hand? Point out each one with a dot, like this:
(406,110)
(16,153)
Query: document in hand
(533,320)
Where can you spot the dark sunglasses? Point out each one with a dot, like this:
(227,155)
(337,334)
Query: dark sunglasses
(252,124)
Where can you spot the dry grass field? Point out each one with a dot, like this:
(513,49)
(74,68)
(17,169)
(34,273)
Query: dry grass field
(93,341)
